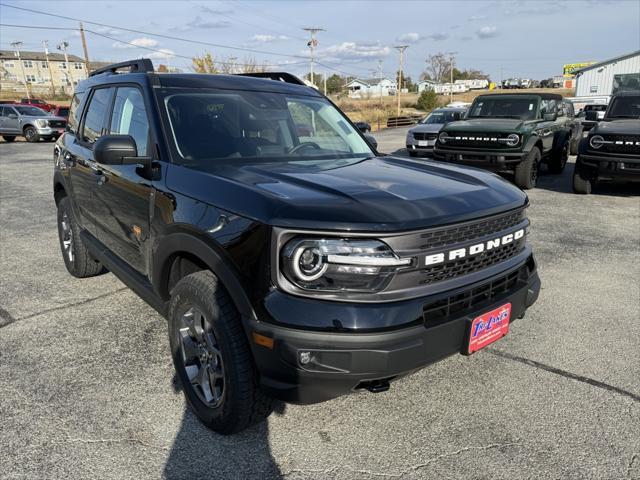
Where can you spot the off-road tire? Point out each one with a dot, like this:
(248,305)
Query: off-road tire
(80,264)
(559,158)
(526,174)
(582,184)
(9,138)
(243,403)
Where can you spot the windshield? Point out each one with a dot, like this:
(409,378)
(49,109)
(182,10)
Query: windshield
(504,107)
(31,111)
(222,126)
(627,106)
(440,117)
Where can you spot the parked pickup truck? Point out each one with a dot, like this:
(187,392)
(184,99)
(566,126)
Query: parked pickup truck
(32,123)
(510,133)
(291,264)
(611,151)
(36,102)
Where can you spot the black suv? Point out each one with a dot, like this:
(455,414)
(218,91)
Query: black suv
(612,149)
(291,260)
(511,133)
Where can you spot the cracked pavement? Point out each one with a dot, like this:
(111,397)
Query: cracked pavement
(87,387)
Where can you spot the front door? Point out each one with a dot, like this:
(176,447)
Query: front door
(11,121)
(123,193)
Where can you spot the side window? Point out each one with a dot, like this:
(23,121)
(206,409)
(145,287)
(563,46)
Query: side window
(97,111)
(74,115)
(3,112)
(130,117)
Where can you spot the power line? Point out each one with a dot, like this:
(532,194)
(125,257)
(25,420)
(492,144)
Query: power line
(159,35)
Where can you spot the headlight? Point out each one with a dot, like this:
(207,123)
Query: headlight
(443,137)
(334,265)
(42,123)
(512,140)
(596,141)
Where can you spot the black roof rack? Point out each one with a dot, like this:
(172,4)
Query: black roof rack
(142,65)
(278,76)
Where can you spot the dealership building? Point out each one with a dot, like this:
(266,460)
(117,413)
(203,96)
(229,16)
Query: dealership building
(610,76)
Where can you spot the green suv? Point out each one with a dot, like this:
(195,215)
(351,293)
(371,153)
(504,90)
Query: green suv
(510,133)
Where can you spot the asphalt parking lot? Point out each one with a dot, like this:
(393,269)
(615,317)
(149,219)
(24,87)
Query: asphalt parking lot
(87,387)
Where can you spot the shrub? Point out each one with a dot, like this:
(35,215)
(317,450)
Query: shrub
(427,101)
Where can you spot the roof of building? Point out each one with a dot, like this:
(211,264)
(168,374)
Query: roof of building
(37,56)
(606,62)
(369,81)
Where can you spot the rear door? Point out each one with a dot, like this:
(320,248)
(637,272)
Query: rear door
(122,196)
(84,172)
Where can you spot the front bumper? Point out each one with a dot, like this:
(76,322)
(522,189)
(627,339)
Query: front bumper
(49,131)
(608,166)
(305,366)
(492,160)
(419,145)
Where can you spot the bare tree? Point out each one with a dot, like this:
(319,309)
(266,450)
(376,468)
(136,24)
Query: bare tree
(438,67)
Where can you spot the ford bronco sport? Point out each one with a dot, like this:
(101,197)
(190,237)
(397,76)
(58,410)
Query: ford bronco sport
(611,151)
(291,263)
(510,133)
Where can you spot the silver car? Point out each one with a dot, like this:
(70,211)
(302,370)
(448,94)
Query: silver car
(422,137)
(31,122)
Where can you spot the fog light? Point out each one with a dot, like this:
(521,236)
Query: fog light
(305,357)
(501,158)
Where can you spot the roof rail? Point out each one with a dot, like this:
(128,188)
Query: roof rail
(278,76)
(141,65)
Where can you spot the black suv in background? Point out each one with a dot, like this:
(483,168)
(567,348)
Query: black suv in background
(511,133)
(291,260)
(611,151)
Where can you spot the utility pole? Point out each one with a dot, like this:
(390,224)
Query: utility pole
(401,49)
(16,46)
(232,63)
(45,44)
(84,48)
(451,61)
(501,78)
(312,44)
(63,46)
(324,81)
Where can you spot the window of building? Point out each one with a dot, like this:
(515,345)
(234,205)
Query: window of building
(44,65)
(78,66)
(27,63)
(9,63)
(30,78)
(63,65)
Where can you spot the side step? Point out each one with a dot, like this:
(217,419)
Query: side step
(127,275)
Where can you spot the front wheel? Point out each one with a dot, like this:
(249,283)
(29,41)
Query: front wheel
(526,175)
(581,184)
(559,159)
(212,357)
(31,135)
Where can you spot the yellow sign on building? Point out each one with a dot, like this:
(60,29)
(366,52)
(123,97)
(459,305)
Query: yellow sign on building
(569,69)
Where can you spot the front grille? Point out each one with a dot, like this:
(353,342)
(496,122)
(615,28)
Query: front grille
(621,144)
(470,231)
(465,266)
(465,302)
(424,136)
(476,140)
(57,123)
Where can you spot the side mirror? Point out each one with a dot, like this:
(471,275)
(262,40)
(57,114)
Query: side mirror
(456,116)
(550,117)
(591,116)
(117,150)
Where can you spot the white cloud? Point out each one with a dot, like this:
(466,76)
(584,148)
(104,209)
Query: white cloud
(487,32)
(264,38)
(438,37)
(409,37)
(551,7)
(355,51)
(107,30)
(216,11)
(475,18)
(143,42)
(199,22)
(163,54)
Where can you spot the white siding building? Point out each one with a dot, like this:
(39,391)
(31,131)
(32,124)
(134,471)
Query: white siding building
(425,85)
(372,87)
(607,77)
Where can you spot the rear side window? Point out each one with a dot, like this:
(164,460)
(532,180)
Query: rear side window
(74,114)
(96,114)
(130,117)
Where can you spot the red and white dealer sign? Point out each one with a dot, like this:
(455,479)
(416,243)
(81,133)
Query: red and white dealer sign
(489,327)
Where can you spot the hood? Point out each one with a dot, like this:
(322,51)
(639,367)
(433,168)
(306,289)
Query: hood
(487,125)
(625,126)
(378,194)
(427,128)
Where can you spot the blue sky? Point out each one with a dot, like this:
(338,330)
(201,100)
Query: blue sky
(524,38)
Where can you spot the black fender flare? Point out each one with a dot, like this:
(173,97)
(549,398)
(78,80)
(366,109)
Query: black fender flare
(531,142)
(560,139)
(194,244)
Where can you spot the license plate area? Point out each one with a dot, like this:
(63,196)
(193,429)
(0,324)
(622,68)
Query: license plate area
(426,143)
(488,327)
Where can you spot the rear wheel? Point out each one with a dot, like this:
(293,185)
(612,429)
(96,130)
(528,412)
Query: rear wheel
(77,258)
(212,357)
(526,175)
(559,158)
(582,182)
(573,145)
(31,135)
(9,138)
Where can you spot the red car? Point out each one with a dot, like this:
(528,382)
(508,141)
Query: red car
(36,102)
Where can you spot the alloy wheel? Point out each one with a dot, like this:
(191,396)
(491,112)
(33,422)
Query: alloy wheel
(201,357)
(67,237)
